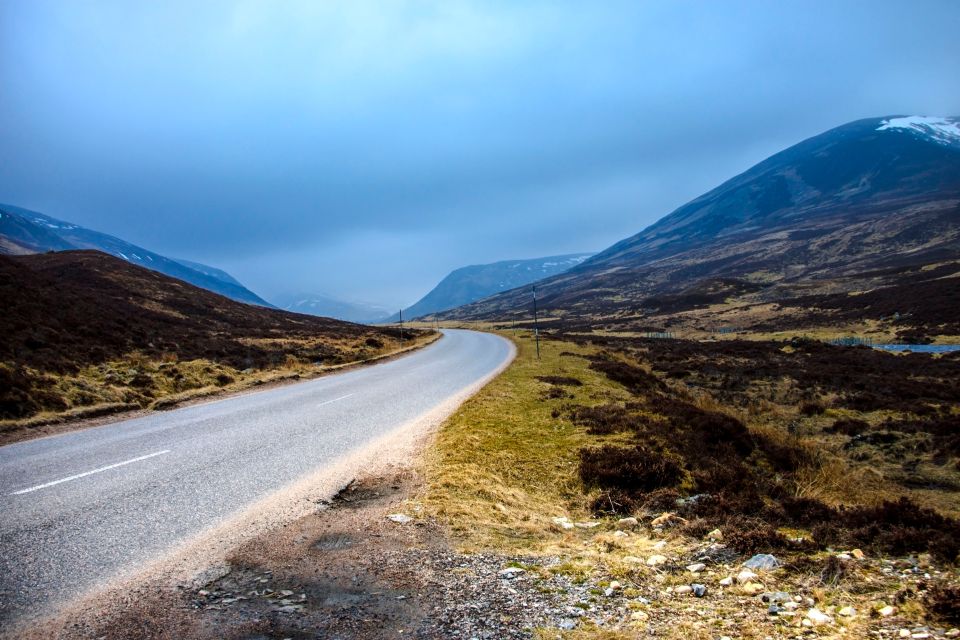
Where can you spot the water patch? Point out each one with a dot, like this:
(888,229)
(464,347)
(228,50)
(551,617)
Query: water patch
(919,348)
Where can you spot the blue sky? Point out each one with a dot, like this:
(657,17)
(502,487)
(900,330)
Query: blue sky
(365,149)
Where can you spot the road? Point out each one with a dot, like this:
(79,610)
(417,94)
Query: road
(78,508)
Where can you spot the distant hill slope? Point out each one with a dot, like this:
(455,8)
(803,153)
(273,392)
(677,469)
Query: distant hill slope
(874,194)
(468,284)
(24,232)
(318,304)
(80,313)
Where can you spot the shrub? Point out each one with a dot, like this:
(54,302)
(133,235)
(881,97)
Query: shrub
(630,469)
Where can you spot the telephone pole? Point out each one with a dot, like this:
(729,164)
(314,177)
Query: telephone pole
(401,328)
(536,322)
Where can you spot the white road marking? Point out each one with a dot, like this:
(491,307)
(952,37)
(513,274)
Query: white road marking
(335,399)
(88,473)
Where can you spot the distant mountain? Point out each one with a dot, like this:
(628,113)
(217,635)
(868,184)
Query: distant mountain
(871,195)
(468,284)
(318,304)
(23,232)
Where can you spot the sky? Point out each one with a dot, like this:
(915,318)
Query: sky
(366,149)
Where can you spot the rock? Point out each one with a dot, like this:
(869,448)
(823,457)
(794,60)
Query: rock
(615,585)
(887,611)
(904,633)
(567,624)
(952,633)
(656,560)
(563,523)
(726,582)
(510,573)
(699,590)
(639,616)
(776,597)
(633,560)
(922,635)
(627,523)
(818,618)
(399,518)
(752,588)
(621,534)
(696,567)
(683,590)
(847,612)
(660,545)
(746,576)
(773,610)
(667,519)
(791,606)
(587,525)
(290,608)
(856,553)
(715,535)
(762,562)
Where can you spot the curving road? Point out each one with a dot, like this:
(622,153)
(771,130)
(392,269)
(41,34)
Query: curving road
(80,507)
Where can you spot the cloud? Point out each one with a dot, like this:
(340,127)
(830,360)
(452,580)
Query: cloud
(367,148)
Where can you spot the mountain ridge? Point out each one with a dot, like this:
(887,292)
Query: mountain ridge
(861,196)
(23,232)
(478,281)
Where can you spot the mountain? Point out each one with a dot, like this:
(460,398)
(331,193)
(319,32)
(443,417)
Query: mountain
(318,304)
(24,232)
(84,327)
(468,284)
(826,215)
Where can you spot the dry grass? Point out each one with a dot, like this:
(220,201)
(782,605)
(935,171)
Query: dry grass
(137,381)
(503,466)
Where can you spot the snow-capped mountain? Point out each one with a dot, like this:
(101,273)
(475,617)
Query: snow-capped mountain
(318,304)
(24,232)
(468,284)
(944,131)
(868,197)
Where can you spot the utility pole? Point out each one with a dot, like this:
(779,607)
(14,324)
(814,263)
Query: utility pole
(401,328)
(536,323)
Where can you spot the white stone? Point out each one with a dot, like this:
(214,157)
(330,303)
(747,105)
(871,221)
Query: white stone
(683,589)
(696,567)
(818,618)
(656,560)
(746,576)
(627,523)
(887,611)
(726,582)
(847,612)
(716,534)
(660,545)
(399,518)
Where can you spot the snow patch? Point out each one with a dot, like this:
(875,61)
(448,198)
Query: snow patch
(941,130)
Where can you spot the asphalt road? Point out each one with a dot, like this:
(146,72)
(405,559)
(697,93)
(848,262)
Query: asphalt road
(77,508)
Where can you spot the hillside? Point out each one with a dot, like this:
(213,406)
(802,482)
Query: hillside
(468,284)
(318,304)
(23,232)
(82,328)
(850,209)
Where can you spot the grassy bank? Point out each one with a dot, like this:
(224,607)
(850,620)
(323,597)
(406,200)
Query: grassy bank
(719,451)
(139,381)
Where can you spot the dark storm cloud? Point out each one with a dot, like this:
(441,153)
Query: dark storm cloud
(365,149)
